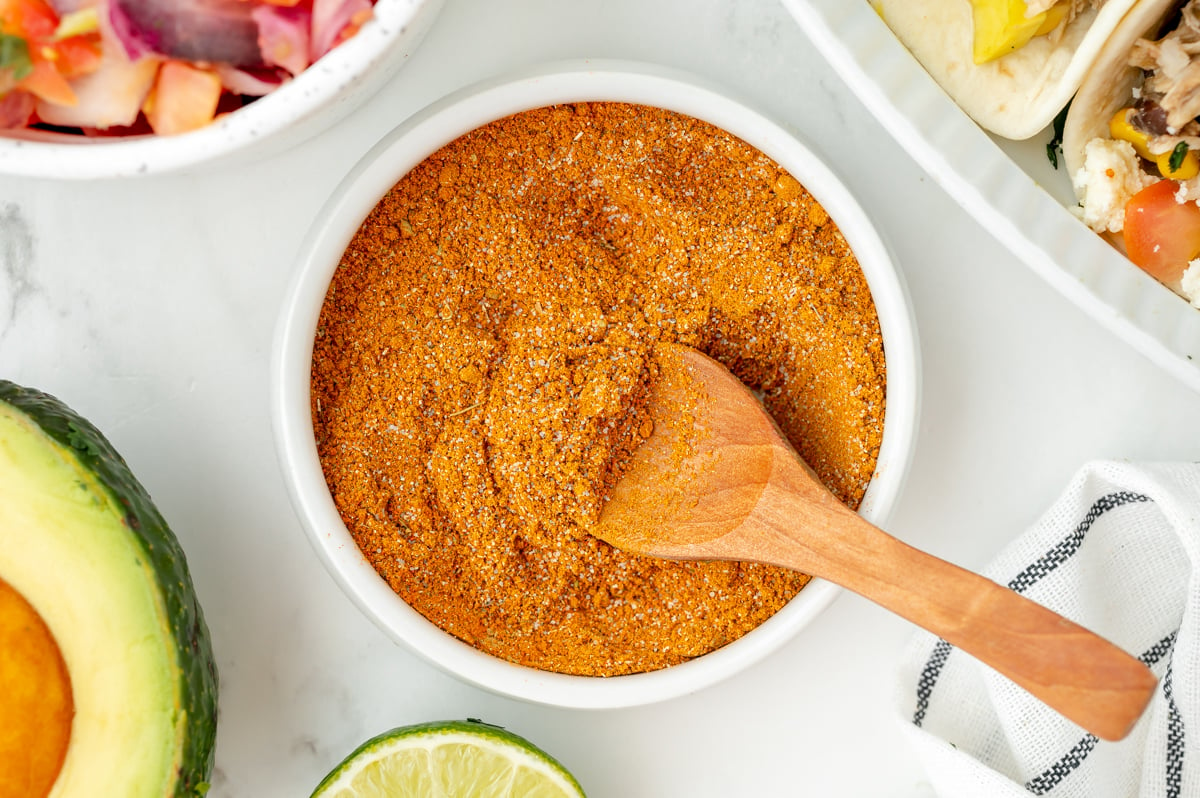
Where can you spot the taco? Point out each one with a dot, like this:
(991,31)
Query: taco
(1131,142)
(1011,65)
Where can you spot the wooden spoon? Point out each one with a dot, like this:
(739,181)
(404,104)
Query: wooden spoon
(716,480)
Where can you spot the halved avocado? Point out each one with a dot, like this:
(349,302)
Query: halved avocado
(82,542)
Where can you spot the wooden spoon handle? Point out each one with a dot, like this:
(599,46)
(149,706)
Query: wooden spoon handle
(748,496)
(1078,673)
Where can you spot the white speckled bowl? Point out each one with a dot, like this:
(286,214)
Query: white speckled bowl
(312,101)
(382,167)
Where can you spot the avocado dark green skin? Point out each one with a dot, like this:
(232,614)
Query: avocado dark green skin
(198,693)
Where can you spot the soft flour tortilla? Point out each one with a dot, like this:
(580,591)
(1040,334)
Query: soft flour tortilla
(1014,96)
(1108,86)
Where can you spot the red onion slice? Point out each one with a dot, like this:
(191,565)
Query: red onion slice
(218,31)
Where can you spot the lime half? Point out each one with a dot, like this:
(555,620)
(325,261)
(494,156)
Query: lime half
(449,759)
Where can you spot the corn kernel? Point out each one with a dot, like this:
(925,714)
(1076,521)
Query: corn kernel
(1120,128)
(1188,168)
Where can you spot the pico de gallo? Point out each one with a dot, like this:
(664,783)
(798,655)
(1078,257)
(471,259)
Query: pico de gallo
(125,67)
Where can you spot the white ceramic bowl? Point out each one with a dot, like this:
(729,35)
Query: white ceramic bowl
(382,167)
(315,99)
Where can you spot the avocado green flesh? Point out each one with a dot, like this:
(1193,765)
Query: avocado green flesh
(80,540)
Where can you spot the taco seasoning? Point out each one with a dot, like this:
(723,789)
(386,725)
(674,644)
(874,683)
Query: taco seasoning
(483,358)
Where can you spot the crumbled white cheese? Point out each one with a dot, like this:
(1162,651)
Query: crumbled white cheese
(1110,176)
(1189,190)
(1190,283)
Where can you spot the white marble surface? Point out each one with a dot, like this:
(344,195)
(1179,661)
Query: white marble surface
(150,306)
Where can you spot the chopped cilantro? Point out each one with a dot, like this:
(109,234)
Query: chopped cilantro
(1177,156)
(14,56)
(1055,146)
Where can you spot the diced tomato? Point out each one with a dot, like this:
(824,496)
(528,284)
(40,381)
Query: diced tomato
(1162,235)
(16,109)
(47,83)
(184,98)
(77,55)
(29,19)
(53,61)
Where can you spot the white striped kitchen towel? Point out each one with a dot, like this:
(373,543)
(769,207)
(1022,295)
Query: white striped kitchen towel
(1119,552)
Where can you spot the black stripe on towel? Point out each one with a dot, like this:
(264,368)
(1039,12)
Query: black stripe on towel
(929,677)
(1174,774)
(1052,776)
(1071,543)
(1020,583)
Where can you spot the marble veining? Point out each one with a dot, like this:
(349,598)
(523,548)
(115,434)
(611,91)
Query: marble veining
(16,264)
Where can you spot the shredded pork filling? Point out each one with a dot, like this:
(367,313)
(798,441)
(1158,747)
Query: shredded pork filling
(1173,76)
(1166,108)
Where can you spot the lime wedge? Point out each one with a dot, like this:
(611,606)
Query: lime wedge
(449,759)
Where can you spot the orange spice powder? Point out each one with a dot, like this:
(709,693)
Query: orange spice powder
(483,359)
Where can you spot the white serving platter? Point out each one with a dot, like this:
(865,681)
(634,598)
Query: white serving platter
(1009,187)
